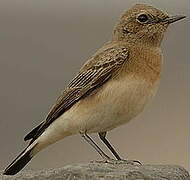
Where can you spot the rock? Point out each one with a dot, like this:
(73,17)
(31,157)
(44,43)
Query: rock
(105,171)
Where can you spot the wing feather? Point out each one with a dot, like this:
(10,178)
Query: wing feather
(93,75)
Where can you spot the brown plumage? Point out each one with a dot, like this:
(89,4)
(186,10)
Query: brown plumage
(111,88)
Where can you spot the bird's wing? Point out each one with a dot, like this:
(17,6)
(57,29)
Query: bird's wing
(92,75)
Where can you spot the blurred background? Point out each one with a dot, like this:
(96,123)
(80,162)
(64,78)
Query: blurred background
(43,43)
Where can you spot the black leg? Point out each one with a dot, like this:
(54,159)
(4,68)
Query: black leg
(95,146)
(102,136)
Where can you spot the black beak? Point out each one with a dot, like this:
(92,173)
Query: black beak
(173,19)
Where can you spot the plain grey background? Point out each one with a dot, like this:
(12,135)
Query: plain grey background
(43,43)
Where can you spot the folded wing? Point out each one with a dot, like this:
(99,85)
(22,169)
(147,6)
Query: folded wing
(92,75)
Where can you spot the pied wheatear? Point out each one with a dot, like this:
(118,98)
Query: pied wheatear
(111,88)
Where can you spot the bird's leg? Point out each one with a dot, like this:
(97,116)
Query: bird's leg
(95,146)
(102,136)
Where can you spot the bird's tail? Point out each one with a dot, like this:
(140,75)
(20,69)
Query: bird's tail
(22,159)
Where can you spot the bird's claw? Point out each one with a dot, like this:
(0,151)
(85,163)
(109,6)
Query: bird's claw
(122,161)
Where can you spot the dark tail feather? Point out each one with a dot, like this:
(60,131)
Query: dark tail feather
(21,160)
(34,131)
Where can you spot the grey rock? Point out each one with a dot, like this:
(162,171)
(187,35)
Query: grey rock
(105,171)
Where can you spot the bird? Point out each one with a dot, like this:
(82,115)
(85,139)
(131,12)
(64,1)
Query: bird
(111,88)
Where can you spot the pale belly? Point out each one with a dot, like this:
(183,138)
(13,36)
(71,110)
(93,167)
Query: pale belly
(116,104)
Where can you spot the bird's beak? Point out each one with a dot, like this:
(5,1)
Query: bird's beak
(173,19)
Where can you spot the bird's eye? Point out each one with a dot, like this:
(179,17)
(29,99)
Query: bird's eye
(142,18)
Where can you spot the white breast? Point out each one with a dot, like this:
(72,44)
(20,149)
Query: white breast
(115,104)
(119,102)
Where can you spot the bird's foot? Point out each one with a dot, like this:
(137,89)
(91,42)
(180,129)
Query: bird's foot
(131,162)
(114,161)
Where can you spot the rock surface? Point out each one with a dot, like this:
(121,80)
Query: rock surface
(105,171)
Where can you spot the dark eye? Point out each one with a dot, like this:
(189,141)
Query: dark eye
(143,18)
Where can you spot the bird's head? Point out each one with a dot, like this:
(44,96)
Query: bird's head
(143,23)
